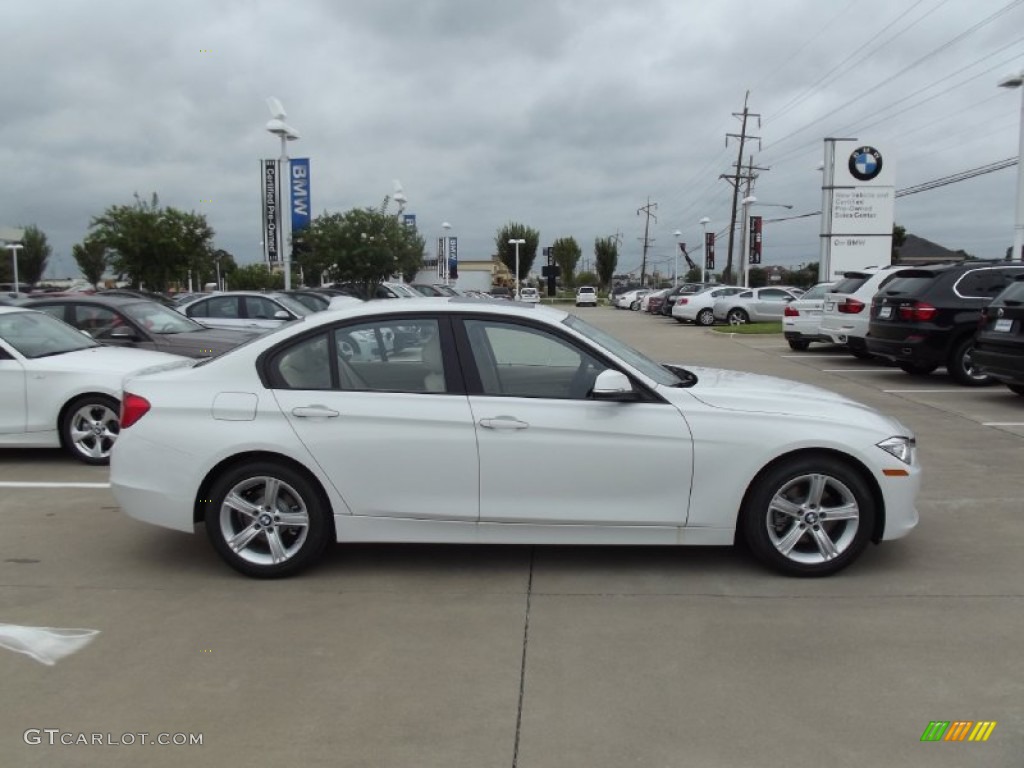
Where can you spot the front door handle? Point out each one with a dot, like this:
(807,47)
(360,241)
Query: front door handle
(314,412)
(503,422)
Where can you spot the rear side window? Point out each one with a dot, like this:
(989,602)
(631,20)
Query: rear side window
(982,283)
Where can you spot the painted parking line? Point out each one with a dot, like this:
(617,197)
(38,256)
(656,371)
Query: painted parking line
(13,484)
(1002,423)
(815,357)
(862,370)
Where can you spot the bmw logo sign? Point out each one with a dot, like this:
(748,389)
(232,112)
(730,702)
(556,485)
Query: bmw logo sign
(865,163)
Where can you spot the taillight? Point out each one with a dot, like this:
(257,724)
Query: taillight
(850,306)
(133,408)
(790,312)
(917,313)
(681,300)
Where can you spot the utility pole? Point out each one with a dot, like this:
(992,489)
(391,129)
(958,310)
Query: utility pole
(646,209)
(734,178)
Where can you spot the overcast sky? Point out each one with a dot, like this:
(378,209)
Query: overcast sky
(565,115)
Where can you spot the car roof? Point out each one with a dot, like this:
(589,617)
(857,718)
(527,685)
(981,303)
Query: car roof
(92,298)
(425,305)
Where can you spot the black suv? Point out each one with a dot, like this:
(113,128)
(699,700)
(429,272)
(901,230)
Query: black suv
(999,343)
(926,317)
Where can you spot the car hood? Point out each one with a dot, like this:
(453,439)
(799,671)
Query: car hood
(118,360)
(756,393)
(208,342)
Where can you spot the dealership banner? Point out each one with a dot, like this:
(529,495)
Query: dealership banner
(271,214)
(298,176)
(709,250)
(441,272)
(755,239)
(409,220)
(453,258)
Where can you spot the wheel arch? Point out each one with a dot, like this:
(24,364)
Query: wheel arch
(201,500)
(62,414)
(850,461)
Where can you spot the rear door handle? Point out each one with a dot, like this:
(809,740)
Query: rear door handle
(314,412)
(503,422)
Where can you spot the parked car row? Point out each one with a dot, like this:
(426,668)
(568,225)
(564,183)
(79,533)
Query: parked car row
(964,317)
(708,303)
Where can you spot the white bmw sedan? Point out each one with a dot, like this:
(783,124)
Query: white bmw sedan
(58,387)
(304,444)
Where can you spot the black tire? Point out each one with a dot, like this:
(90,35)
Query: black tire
(861,353)
(798,345)
(916,369)
(296,495)
(1017,389)
(706,317)
(89,428)
(737,317)
(767,529)
(960,368)
(635,306)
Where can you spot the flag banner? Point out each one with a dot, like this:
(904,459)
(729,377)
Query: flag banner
(453,258)
(441,272)
(709,250)
(409,219)
(298,182)
(755,239)
(271,214)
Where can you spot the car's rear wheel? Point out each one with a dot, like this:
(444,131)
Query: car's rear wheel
(706,317)
(635,306)
(916,369)
(737,317)
(267,520)
(90,427)
(799,345)
(808,516)
(962,370)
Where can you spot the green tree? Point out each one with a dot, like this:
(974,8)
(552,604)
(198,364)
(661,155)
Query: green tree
(606,259)
(91,257)
(693,275)
(255,277)
(899,237)
(152,246)
(566,254)
(758,277)
(527,251)
(586,278)
(33,256)
(364,245)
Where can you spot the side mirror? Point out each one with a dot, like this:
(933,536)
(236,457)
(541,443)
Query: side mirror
(613,385)
(122,333)
(282,314)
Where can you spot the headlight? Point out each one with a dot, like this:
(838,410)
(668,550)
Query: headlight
(900,447)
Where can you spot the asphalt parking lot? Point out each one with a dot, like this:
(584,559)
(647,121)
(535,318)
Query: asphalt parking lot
(539,656)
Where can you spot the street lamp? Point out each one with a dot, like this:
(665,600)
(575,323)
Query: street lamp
(675,269)
(400,198)
(1016,81)
(14,248)
(286,133)
(747,202)
(444,251)
(704,267)
(517,243)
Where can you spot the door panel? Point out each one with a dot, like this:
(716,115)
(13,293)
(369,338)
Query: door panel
(13,404)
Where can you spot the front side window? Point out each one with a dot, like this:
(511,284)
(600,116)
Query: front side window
(521,361)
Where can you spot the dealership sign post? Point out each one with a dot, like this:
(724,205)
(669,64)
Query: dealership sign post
(858,202)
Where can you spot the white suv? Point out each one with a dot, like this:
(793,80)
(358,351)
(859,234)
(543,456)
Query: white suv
(586,295)
(529,295)
(846,312)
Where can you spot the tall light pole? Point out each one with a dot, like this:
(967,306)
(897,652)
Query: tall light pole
(1017,81)
(444,251)
(675,269)
(14,248)
(286,133)
(517,243)
(747,202)
(704,267)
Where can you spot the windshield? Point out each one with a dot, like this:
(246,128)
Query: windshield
(641,362)
(817,292)
(37,334)
(158,319)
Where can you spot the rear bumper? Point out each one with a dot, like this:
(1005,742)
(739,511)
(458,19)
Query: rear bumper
(1005,368)
(921,351)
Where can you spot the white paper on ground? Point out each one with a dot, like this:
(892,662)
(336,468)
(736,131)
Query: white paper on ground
(45,644)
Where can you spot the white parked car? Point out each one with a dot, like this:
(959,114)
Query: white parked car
(846,312)
(646,300)
(294,438)
(586,296)
(631,299)
(699,307)
(244,309)
(529,295)
(58,387)
(754,305)
(801,319)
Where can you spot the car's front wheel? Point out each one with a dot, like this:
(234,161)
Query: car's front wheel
(799,345)
(89,428)
(706,317)
(267,520)
(635,306)
(962,370)
(808,516)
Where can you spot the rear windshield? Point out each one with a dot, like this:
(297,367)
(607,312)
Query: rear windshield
(1012,294)
(909,285)
(849,284)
